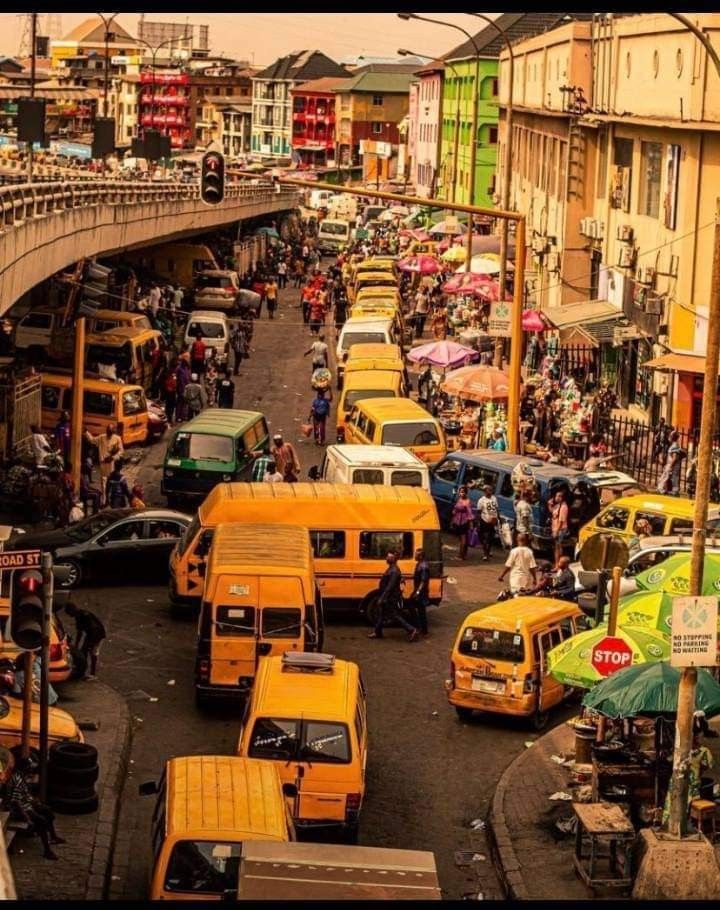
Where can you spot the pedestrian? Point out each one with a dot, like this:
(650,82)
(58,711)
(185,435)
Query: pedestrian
(197,354)
(67,493)
(154,300)
(63,435)
(461,520)
(210,382)
(260,466)
(169,393)
(237,343)
(522,567)
(182,373)
(271,296)
(317,312)
(194,398)
(421,589)
(319,351)
(226,391)
(319,411)
(282,271)
(422,308)
(388,600)
(523,514)
(488,516)
(137,497)
(272,475)
(559,514)
(177,302)
(306,296)
(41,448)
(285,455)
(675,456)
(89,493)
(563,580)
(24,807)
(89,635)
(340,306)
(109,446)
(117,491)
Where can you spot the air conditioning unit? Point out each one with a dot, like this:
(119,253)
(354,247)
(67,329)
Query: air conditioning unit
(625,233)
(646,275)
(553,262)
(539,245)
(586,226)
(598,228)
(654,305)
(626,257)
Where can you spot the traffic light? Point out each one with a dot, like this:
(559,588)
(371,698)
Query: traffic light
(26,609)
(212,178)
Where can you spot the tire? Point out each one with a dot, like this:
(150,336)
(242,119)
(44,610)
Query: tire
(539,720)
(464,714)
(69,806)
(73,755)
(72,777)
(351,834)
(79,663)
(75,573)
(202,702)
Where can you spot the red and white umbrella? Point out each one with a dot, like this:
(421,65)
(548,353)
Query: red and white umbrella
(422,264)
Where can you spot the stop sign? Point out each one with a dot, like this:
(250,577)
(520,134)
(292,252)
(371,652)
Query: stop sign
(611,654)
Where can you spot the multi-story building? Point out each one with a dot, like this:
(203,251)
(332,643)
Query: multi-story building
(80,55)
(621,216)
(272,102)
(228,79)
(459,90)
(426,127)
(313,120)
(165,105)
(371,106)
(233,124)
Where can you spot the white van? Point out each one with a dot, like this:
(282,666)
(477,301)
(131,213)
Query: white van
(361,330)
(390,466)
(318,199)
(34,331)
(333,234)
(214,329)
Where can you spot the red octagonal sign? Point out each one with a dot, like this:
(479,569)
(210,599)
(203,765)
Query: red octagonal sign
(611,654)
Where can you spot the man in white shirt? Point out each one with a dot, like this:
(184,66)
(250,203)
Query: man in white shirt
(155,300)
(488,513)
(521,565)
(272,475)
(319,351)
(40,446)
(523,514)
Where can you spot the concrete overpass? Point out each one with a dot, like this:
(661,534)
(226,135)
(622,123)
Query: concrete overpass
(45,227)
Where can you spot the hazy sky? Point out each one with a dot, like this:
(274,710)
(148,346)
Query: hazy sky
(262,37)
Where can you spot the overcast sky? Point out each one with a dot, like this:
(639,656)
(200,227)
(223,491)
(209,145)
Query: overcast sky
(262,37)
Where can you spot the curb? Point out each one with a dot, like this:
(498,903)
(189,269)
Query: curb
(504,856)
(98,881)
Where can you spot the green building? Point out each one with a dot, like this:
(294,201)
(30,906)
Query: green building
(458,90)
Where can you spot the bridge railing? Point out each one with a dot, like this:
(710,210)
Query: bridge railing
(21,202)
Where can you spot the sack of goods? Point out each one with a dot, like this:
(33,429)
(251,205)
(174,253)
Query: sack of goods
(321,379)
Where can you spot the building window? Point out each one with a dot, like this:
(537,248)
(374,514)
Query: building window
(493,135)
(650,173)
(495,88)
(377,101)
(376,127)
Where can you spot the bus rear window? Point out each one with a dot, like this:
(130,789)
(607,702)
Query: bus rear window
(203,867)
(410,434)
(492,644)
(202,447)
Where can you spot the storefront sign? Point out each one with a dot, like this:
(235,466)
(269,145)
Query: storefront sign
(693,635)
(499,320)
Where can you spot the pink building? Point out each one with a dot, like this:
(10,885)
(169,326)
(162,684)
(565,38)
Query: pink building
(426,163)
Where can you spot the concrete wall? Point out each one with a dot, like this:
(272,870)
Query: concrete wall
(34,244)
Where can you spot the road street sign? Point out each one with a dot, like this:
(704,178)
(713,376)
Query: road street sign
(611,654)
(20,559)
(693,634)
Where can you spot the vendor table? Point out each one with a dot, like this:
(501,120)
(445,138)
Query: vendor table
(603,824)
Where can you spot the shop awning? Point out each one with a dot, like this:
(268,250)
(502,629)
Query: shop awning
(677,363)
(584,313)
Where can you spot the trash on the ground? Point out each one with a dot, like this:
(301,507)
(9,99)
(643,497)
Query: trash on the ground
(466,857)
(473,896)
(584,794)
(171,682)
(154,699)
(139,720)
(89,724)
(567,826)
(561,794)
(435,714)
(138,693)
(451,580)
(558,759)
(150,600)
(477,824)
(529,743)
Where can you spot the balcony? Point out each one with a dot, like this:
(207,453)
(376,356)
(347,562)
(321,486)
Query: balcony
(165,99)
(163,120)
(164,78)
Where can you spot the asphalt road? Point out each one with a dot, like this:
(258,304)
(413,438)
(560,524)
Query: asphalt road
(429,775)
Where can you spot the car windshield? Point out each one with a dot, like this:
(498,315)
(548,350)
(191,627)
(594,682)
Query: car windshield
(206,329)
(213,281)
(203,867)
(327,227)
(106,355)
(351,338)
(492,644)
(202,447)
(356,395)
(409,434)
(88,528)
(309,740)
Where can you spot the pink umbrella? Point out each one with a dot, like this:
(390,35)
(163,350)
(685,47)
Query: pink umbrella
(532,321)
(443,354)
(423,264)
(490,290)
(465,283)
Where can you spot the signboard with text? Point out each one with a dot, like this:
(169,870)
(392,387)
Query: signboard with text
(693,634)
(611,654)
(499,320)
(20,559)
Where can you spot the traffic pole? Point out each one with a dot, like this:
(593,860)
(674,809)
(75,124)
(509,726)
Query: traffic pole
(27,703)
(516,342)
(612,628)
(77,402)
(47,573)
(680,780)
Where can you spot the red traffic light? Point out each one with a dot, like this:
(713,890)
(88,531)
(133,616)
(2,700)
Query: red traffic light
(29,582)
(26,609)
(212,178)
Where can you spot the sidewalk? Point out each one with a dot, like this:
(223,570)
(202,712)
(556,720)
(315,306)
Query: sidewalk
(83,869)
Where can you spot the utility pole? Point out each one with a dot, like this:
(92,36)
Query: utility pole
(78,390)
(47,573)
(33,63)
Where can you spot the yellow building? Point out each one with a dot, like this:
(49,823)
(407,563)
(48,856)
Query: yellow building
(616,157)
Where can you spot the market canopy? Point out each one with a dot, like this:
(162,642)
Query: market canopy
(672,575)
(477,383)
(650,689)
(443,354)
(422,264)
(677,363)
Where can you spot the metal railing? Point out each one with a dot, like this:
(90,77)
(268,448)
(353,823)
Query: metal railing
(23,202)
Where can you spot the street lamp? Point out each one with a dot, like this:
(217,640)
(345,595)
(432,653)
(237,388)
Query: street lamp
(404,52)
(473,126)
(107,22)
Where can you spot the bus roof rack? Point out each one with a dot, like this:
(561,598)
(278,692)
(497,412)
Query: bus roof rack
(301,660)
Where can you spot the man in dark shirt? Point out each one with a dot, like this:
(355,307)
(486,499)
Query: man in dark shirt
(421,587)
(563,582)
(226,391)
(90,634)
(389,597)
(25,807)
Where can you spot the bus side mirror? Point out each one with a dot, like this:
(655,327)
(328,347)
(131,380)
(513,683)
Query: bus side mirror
(290,790)
(148,788)
(263,648)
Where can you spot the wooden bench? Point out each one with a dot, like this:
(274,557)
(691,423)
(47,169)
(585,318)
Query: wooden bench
(600,826)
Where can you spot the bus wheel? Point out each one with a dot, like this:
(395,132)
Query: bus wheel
(539,720)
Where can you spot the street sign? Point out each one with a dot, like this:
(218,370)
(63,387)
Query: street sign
(693,634)
(611,654)
(20,559)
(499,320)
(603,551)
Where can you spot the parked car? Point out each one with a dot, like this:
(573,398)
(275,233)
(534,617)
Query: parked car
(119,543)
(216,289)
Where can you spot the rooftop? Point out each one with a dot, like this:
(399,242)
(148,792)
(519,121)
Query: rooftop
(302,66)
(516,27)
(326,84)
(392,82)
(93,31)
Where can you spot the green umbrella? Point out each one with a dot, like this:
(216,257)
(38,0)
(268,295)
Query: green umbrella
(570,663)
(650,689)
(673,575)
(647,610)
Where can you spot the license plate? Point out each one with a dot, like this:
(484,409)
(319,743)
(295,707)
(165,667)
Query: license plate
(487,685)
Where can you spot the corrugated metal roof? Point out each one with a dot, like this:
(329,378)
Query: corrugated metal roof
(302,66)
(325,84)
(517,26)
(380,82)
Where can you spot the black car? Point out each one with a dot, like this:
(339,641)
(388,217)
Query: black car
(115,543)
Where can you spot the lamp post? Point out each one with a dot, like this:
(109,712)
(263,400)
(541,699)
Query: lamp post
(404,52)
(473,125)
(107,22)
